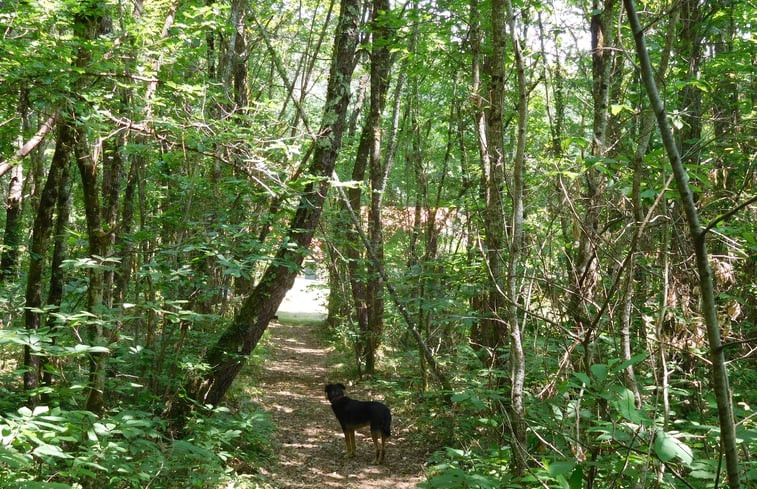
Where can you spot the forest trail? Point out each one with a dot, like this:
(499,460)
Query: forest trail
(310,442)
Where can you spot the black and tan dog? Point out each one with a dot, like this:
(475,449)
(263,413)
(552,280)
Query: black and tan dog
(354,414)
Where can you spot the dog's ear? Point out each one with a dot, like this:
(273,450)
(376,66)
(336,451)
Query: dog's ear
(341,386)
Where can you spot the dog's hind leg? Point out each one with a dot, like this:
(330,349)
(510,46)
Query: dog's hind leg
(380,448)
(383,447)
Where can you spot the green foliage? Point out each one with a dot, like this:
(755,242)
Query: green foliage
(215,180)
(127,449)
(631,439)
(464,469)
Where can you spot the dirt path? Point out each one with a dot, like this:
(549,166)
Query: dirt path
(311,443)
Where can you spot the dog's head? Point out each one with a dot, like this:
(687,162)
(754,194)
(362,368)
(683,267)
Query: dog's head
(334,391)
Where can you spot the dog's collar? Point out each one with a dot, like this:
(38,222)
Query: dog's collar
(336,398)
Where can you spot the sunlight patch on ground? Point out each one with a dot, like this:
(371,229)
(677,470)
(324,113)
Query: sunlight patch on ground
(305,300)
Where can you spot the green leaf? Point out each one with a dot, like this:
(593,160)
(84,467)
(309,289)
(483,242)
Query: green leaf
(599,370)
(626,406)
(576,478)
(13,459)
(616,109)
(460,397)
(702,474)
(50,451)
(583,378)
(42,485)
(631,361)
(560,468)
(667,447)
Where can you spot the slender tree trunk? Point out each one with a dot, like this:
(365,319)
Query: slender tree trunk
(57,274)
(698,238)
(111,189)
(238,54)
(41,231)
(229,353)
(12,236)
(494,213)
(584,270)
(98,245)
(484,332)
(514,267)
(356,267)
(14,201)
(380,64)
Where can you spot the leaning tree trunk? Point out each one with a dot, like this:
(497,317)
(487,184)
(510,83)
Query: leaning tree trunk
(230,352)
(698,235)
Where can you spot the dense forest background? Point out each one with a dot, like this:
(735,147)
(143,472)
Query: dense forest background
(536,220)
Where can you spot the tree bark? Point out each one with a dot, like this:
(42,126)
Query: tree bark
(494,214)
(517,355)
(230,352)
(698,237)
(12,236)
(57,274)
(40,238)
(380,63)
(484,331)
(98,241)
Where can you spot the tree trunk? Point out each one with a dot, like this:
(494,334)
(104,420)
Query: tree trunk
(494,213)
(98,245)
(238,54)
(229,353)
(380,63)
(57,274)
(355,264)
(514,268)
(698,235)
(40,237)
(12,236)
(484,331)
(13,203)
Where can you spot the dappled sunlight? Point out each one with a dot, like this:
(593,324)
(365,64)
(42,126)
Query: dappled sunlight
(310,441)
